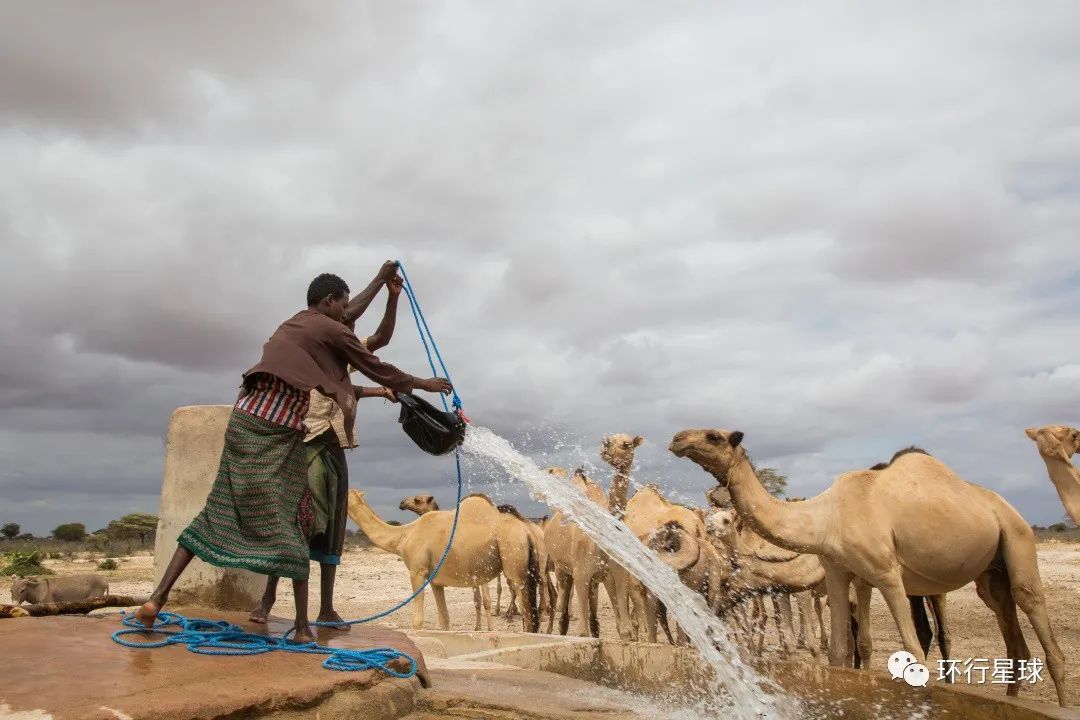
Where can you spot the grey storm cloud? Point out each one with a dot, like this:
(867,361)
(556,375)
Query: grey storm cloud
(840,228)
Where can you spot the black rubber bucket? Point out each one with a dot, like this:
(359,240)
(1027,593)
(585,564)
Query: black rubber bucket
(433,430)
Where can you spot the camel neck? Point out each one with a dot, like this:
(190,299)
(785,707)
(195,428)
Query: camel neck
(620,484)
(383,535)
(796,526)
(1066,479)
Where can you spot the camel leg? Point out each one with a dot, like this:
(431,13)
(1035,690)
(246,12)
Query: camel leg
(993,589)
(937,606)
(782,615)
(417,579)
(476,603)
(818,610)
(615,584)
(552,601)
(440,604)
(485,596)
(891,588)
(863,639)
(637,613)
(1022,566)
(594,607)
(511,602)
(802,605)
(837,584)
(498,596)
(660,612)
(582,582)
(565,586)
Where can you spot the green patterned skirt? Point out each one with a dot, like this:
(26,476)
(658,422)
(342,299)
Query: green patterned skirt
(258,514)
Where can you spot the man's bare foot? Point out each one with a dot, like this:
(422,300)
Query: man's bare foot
(335,621)
(261,612)
(303,635)
(148,613)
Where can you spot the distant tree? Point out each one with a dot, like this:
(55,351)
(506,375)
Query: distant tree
(773,481)
(395,523)
(1058,527)
(136,525)
(10,530)
(70,532)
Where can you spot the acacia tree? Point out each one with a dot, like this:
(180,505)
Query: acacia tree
(773,481)
(135,525)
(70,532)
(10,530)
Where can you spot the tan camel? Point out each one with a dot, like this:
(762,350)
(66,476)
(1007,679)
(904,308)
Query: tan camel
(488,540)
(580,566)
(1057,444)
(912,528)
(423,504)
(647,511)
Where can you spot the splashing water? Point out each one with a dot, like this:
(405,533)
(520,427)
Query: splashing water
(752,694)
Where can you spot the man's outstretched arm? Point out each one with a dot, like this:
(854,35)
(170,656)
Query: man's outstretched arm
(360,302)
(381,337)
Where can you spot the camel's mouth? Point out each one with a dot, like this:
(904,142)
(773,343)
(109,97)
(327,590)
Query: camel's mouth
(680,448)
(401,505)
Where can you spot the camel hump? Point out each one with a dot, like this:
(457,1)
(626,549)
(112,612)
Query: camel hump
(479,495)
(910,450)
(511,510)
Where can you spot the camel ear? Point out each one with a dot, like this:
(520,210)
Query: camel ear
(638,440)
(735,438)
(1031,433)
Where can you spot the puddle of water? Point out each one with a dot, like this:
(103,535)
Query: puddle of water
(746,693)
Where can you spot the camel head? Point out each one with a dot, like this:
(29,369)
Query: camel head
(675,546)
(720,525)
(557,472)
(1056,442)
(419,504)
(618,450)
(716,451)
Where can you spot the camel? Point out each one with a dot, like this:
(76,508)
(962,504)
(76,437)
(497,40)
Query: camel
(647,511)
(423,504)
(488,540)
(912,528)
(1057,444)
(580,566)
(699,565)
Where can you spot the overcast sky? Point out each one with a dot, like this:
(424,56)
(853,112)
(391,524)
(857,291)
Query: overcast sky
(842,229)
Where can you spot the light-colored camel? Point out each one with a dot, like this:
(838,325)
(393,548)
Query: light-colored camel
(580,566)
(1057,444)
(488,540)
(913,528)
(647,511)
(423,504)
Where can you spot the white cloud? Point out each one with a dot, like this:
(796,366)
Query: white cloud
(840,229)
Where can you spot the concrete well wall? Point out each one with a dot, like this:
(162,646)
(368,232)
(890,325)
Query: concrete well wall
(192,453)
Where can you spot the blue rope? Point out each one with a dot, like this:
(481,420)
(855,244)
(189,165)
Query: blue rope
(218,637)
(418,313)
(210,637)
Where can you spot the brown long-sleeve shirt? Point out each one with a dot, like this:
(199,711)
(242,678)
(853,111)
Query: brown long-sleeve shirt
(311,351)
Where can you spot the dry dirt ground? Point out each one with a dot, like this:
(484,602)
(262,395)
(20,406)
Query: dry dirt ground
(371,580)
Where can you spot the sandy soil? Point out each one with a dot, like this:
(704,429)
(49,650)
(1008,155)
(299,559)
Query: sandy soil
(371,580)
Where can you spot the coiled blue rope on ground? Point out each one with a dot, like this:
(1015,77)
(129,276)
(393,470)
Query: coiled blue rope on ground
(218,637)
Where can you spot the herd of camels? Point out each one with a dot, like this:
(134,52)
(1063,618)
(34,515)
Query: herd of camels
(909,527)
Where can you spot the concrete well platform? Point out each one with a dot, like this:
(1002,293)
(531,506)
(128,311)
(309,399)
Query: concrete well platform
(68,667)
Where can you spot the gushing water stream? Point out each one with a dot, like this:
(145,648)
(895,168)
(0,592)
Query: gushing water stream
(752,694)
